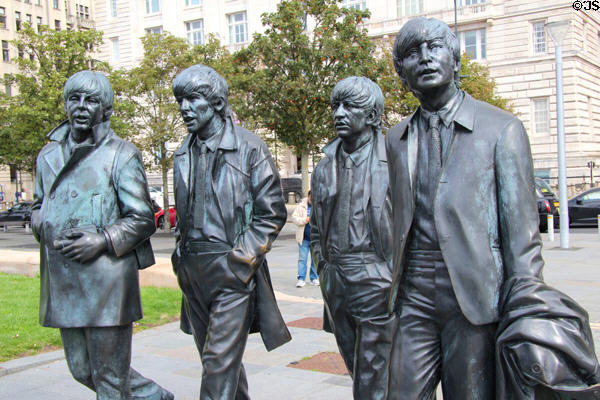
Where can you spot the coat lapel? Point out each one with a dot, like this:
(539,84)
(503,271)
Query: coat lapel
(182,162)
(379,175)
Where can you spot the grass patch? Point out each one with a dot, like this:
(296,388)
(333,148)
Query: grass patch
(21,333)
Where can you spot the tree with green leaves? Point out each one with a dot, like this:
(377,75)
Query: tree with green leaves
(146,105)
(284,78)
(475,79)
(49,59)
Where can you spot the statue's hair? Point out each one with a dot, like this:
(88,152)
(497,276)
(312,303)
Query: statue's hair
(205,81)
(361,91)
(90,82)
(419,30)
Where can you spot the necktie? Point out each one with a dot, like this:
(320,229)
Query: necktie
(344,204)
(435,151)
(200,189)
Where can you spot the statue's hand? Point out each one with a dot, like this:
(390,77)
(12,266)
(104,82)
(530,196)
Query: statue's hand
(81,246)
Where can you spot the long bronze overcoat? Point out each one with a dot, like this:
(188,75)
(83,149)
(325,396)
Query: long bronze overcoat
(484,206)
(100,187)
(247,188)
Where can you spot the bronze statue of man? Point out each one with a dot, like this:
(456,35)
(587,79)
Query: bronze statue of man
(93,217)
(465,221)
(230,209)
(351,235)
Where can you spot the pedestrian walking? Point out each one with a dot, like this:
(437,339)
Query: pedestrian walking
(301,218)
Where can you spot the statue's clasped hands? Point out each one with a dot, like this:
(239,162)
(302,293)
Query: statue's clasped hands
(81,246)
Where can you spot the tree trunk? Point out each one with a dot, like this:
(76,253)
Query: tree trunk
(165,181)
(304,168)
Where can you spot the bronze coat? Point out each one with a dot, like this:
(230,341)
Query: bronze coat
(249,198)
(100,187)
(376,202)
(484,206)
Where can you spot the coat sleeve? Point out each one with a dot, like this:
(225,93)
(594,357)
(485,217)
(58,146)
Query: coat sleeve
(136,223)
(518,217)
(315,217)
(268,217)
(38,198)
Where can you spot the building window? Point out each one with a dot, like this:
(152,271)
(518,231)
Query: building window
(27,1)
(154,29)
(116,56)
(541,116)
(195,32)
(28,19)
(152,6)
(407,8)
(55,3)
(360,5)
(538,37)
(7,86)
(2,18)
(473,43)
(238,28)
(112,5)
(193,2)
(82,11)
(5,52)
(38,2)
(18,20)
(21,52)
(57,25)
(39,24)
(598,42)
(471,2)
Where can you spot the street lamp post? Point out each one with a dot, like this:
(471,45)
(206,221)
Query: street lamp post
(558,31)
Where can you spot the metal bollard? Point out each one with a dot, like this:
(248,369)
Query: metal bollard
(4,228)
(598,224)
(27,230)
(551,227)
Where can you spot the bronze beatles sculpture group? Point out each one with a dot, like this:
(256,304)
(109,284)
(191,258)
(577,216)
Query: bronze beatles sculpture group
(426,241)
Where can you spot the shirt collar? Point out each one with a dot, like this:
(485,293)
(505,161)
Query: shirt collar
(448,112)
(212,142)
(359,155)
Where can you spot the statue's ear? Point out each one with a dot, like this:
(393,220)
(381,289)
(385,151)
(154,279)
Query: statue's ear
(107,113)
(219,104)
(372,117)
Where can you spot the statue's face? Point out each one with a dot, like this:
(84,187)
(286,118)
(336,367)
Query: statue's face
(84,110)
(429,65)
(196,111)
(349,118)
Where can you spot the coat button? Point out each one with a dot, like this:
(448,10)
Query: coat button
(73,194)
(536,368)
(51,196)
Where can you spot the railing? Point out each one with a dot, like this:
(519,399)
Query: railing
(85,23)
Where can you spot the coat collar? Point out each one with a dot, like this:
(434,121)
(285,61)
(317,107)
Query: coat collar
(228,139)
(465,115)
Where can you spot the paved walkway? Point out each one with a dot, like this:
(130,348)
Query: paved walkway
(170,357)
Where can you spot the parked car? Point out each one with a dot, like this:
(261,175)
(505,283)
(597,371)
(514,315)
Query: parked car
(545,207)
(17,215)
(584,208)
(156,193)
(549,195)
(292,185)
(159,216)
